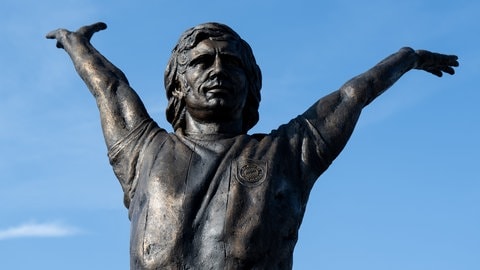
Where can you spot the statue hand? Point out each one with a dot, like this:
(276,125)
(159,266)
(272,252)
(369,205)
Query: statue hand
(436,63)
(85,32)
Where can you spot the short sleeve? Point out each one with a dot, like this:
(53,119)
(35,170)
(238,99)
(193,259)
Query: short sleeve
(301,151)
(125,156)
(315,151)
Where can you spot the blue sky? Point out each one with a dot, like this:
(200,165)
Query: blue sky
(404,194)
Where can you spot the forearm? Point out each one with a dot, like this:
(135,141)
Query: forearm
(367,86)
(120,108)
(94,69)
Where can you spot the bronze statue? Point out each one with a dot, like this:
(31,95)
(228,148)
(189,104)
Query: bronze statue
(210,196)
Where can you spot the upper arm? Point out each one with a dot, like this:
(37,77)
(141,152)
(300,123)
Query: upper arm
(334,117)
(121,110)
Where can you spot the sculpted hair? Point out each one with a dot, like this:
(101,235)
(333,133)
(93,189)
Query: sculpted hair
(177,64)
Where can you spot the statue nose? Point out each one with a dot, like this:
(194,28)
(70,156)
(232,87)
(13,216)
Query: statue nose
(218,68)
(217,64)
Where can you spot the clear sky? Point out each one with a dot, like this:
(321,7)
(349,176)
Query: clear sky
(404,194)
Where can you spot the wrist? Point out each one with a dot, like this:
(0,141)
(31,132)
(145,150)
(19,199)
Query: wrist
(411,54)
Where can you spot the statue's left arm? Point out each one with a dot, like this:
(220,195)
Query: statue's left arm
(335,115)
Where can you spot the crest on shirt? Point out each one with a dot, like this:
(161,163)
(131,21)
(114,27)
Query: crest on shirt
(251,172)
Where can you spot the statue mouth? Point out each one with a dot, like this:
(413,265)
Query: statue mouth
(217,92)
(217,88)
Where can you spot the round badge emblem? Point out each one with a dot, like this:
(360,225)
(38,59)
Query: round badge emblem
(251,173)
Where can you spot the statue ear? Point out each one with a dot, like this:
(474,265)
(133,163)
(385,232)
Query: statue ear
(178,93)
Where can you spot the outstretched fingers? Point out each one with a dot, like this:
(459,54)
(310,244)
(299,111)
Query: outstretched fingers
(52,34)
(447,62)
(449,70)
(453,60)
(88,30)
(437,63)
(57,34)
(435,71)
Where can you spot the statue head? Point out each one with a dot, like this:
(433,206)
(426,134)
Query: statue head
(178,63)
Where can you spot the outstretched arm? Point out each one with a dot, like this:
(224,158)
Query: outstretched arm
(335,115)
(120,107)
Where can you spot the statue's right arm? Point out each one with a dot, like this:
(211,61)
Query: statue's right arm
(120,108)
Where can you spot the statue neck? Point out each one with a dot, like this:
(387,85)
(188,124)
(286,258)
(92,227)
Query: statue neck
(194,126)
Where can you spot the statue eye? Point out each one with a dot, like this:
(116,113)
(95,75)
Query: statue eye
(202,60)
(233,61)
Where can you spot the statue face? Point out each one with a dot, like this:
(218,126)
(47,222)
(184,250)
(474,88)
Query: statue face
(215,81)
